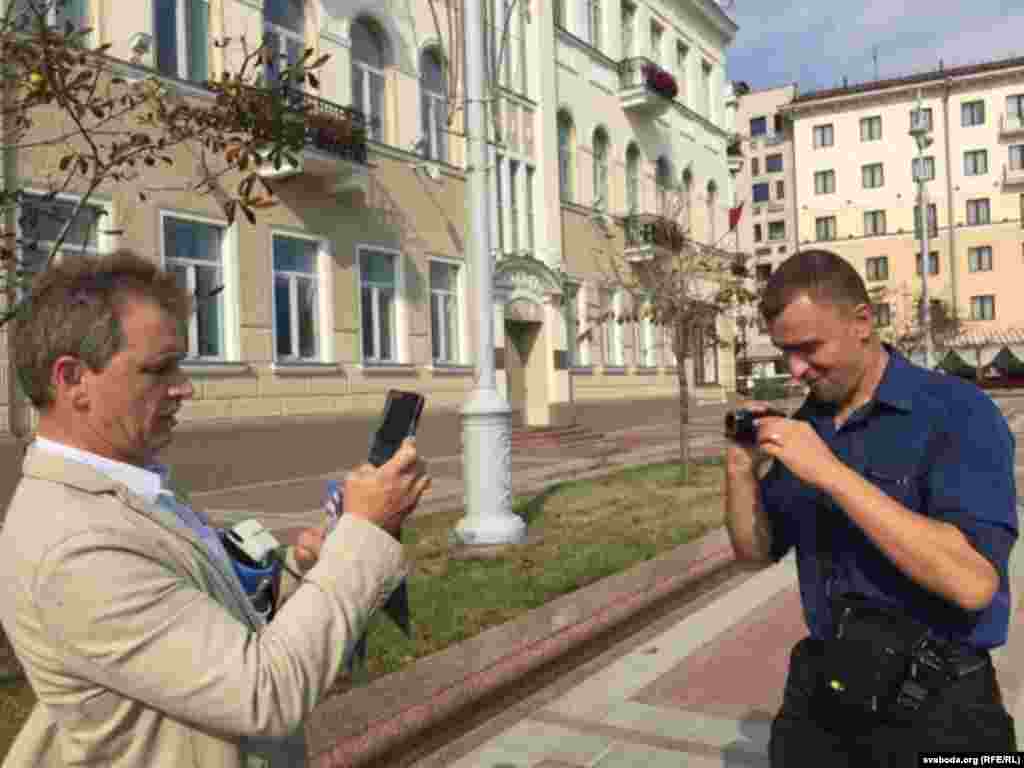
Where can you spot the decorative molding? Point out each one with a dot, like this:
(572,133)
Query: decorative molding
(209,368)
(305,369)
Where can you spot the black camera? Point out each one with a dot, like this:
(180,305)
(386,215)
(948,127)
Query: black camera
(740,424)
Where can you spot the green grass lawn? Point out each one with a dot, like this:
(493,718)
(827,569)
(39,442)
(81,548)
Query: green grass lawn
(580,532)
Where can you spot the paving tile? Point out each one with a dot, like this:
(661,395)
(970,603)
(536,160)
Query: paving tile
(750,735)
(528,743)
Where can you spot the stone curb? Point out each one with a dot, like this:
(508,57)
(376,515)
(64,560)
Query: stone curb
(363,724)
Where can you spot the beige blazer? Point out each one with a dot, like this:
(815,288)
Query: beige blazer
(143,650)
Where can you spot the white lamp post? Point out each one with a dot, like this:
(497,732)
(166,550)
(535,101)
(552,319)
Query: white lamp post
(919,131)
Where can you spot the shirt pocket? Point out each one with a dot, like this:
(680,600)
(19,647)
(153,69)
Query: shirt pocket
(900,483)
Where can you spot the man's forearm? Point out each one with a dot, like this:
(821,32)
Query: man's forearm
(746,521)
(933,553)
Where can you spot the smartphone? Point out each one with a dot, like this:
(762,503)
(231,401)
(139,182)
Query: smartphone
(401,415)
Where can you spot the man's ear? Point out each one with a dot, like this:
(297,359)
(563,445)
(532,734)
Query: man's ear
(66,379)
(864,320)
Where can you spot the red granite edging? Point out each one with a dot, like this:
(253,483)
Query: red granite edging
(358,727)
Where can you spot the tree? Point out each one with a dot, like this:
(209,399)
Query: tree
(679,284)
(906,334)
(105,123)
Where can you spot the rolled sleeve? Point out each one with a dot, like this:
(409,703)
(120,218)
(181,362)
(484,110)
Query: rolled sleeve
(773,501)
(971,483)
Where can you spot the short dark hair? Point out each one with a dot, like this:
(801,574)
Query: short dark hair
(820,275)
(74,309)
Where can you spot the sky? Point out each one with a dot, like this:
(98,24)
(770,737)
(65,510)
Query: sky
(816,44)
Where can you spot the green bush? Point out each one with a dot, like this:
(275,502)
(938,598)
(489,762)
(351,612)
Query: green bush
(768,389)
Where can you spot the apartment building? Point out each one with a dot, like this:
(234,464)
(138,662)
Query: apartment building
(856,193)
(358,281)
(767,229)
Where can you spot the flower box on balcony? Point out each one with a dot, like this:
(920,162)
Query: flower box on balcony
(660,81)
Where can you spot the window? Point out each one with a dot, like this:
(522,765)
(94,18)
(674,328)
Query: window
(762,272)
(978,211)
(761,192)
(874,223)
(444,312)
(933,263)
(647,357)
(927,112)
(284,32)
(776,230)
(368,62)
(705,354)
(40,222)
(976,162)
(628,30)
(933,222)
(871,128)
(877,268)
(593,11)
(58,13)
(528,203)
(780,190)
(773,163)
(559,13)
(711,208)
(566,167)
(499,202)
(928,167)
(779,126)
(656,35)
(571,316)
(823,136)
(612,330)
(682,62)
(296,299)
(433,106)
(705,87)
(1017,157)
(983,307)
(758,126)
(881,314)
(378,279)
(1015,106)
(182,36)
(972,113)
(872,176)
(755,166)
(825,227)
(979,259)
(633,179)
(662,184)
(757,233)
(824,182)
(193,253)
(513,205)
(601,170)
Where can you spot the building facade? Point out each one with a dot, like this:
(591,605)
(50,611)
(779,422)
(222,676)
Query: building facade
(358,280)
(855,193)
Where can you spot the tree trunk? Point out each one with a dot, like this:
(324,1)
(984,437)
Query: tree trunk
(684,403)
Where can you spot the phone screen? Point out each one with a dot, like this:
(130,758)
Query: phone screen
(400,419)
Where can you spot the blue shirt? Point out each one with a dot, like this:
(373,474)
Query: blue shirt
(940,447)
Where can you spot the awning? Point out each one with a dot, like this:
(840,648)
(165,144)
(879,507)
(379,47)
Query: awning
(1008,363)
(953,363)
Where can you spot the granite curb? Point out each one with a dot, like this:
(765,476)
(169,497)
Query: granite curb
(361,725)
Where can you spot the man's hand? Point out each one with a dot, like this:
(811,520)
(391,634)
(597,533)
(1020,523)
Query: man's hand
(742,458)
(308,546)
(387,495)
(797,445)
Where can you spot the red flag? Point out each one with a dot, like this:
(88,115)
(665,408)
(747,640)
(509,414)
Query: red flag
(734,216)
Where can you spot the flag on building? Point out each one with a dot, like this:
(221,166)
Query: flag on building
(734,216)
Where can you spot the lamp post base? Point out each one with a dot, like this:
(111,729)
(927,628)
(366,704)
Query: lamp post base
(487,471)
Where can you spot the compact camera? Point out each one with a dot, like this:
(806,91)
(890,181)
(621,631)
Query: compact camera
(740,424)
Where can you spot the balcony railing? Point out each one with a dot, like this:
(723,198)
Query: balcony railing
(1013,175)
(644,86)
(1011,124)
(648,234)
(773,139)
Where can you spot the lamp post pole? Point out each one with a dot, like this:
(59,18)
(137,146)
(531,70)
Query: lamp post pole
(486,416)
(917,130)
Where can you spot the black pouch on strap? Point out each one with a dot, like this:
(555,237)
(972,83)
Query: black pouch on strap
(866,663)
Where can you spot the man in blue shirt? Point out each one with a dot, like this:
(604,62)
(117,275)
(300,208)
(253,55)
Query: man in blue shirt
(894,483)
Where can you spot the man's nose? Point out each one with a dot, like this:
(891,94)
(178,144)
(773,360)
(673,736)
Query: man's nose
(183,389)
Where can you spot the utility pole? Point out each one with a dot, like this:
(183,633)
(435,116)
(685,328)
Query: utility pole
(919,132)
(486,417)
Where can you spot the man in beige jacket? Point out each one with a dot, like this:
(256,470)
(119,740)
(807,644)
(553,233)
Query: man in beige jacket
(136,636)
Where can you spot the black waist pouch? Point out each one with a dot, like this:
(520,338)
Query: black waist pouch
(864,665)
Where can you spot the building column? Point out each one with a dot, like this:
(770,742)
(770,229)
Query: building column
(561,410)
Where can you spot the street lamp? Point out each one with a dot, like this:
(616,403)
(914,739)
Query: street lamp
(919,130)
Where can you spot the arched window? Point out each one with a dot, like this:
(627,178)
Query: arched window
(633,179)
(284,32)
(662,184)
(601,169)
(712,205)
(688,198)
(566,166)
(368,62)
(434,106)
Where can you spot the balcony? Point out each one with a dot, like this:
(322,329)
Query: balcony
(645,88)
(775,207)
(335,150)
(1011,126)
(1012,176)
(650,235)
(774,139)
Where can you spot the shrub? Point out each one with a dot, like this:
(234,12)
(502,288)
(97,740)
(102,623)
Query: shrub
(768,389)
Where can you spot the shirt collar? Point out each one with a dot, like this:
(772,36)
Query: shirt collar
(146,481)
